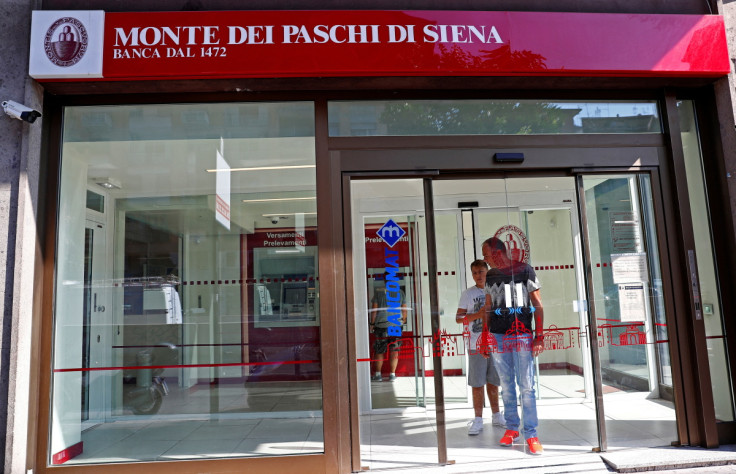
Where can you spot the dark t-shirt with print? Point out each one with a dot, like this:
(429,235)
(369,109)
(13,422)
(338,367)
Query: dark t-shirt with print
(509,289)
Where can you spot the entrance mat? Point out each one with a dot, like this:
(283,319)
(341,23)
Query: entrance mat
(606,389)
(659,459)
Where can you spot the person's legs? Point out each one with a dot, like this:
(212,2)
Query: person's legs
(394,359)
(476,380)
(493,397)
(380,346)
(478,401)
(492,383)
(504,362)
(525,379)
(379,362)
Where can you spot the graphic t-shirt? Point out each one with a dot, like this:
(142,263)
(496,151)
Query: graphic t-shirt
(472,300)
(509,289)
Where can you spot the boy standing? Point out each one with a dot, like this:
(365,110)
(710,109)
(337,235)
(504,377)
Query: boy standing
(481,372)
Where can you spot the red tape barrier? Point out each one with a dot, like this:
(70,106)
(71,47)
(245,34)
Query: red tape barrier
(185,366)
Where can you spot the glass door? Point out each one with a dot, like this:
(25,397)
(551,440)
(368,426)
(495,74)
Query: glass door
(392,333)
(95,325)
(596,321)
(536,221)
(628,312)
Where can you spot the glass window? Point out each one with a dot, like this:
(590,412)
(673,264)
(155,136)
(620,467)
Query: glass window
(707,270)
(186,320)
(490,117)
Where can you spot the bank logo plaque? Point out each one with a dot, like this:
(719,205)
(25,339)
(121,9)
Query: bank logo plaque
(390,232)
(66,41)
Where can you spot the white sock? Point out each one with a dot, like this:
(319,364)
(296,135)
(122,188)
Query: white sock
(378,373)
(393,374)
(479,418)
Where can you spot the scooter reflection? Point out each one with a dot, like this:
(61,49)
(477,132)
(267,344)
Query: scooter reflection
(144,388)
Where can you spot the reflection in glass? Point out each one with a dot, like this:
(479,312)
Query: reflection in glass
(707,270)
(187,320)
(629,309)
(490,117)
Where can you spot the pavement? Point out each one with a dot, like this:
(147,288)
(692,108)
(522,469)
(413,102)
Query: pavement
(662,460)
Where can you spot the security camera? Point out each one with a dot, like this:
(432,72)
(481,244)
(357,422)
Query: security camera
(20,111)
(275,220)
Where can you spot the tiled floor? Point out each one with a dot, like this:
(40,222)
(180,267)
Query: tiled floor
(125,441)
(221,422)
(410,439)
(567,424)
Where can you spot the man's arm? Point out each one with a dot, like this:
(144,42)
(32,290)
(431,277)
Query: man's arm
(538,344)
(372,314)
(463,317)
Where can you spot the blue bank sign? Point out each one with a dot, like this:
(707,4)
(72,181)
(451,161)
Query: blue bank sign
(391,233)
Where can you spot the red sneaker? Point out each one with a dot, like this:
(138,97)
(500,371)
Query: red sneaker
(535,447)
(508,438)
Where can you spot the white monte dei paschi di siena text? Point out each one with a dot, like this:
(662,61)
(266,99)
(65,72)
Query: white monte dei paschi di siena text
(178,41)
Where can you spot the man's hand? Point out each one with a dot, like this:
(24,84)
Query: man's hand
(537,346)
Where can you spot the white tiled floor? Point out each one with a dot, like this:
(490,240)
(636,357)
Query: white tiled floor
(409,439)
(123,441)
(252,425)
(567,425)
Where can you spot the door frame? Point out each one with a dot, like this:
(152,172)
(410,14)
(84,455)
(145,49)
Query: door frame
(415,157)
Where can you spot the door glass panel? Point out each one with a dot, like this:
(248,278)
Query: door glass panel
(629,311)
(392,327)
(536,218)
(716,337)
(186,311)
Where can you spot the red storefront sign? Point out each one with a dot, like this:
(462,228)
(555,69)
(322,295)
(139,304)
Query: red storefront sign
(376,43)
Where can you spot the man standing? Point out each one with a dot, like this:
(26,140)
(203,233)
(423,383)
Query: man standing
(383,342)
(512,301)
(481,372)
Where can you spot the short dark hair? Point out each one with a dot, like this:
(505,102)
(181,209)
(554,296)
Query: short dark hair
(495,244)
(479,263)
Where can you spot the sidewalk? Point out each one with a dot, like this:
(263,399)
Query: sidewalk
(662,460)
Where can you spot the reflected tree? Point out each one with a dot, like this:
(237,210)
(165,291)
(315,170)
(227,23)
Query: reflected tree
(503,117)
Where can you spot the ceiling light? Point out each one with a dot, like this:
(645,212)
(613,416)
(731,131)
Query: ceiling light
(290,214)
(263,168)
(108,183)
(281,199)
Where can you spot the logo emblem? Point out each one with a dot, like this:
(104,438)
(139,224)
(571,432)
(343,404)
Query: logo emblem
(65,42)
(517,245)
(390,232)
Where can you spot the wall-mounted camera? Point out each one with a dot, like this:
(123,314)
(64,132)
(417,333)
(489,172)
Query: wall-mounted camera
(275,220)
(20,111)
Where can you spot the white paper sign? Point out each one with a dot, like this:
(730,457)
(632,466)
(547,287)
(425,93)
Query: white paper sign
(222,191)
(625,233)
(631,302)
(629,267)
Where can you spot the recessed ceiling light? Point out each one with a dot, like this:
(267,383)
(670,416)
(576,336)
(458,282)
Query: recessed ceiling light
(290,214)
(108,183)
(263,168)
(281,199)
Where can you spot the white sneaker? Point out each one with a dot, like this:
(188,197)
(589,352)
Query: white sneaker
(498,419)
(475,426)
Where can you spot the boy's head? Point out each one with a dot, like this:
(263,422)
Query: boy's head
(479,268)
